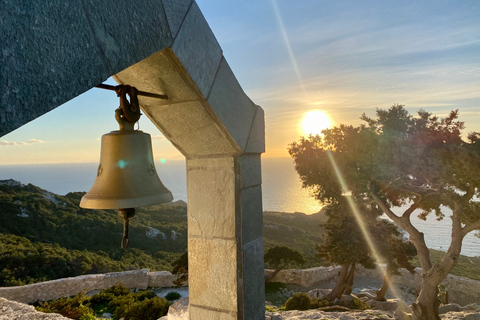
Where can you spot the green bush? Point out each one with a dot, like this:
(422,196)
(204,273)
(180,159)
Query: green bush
(74,307)
(172,296)
(299,301)
(148,309)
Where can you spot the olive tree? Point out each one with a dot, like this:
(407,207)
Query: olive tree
(397,162)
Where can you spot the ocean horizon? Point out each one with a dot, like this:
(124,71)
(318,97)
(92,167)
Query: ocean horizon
(281,191)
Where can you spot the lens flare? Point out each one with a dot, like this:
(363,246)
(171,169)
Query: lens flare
(361,224)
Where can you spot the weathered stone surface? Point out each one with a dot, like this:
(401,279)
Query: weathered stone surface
(250,170)
(252,215)
(253,280)
(200,313)
(448,307)
(198,50)
(45,60)
(179,310)
(11,310)
(211,209)
(231,105)
(256,138)
(54,289)
(212,272)
(181,121)
(161,279)
(307,277)
(461,290)
(126,31)
(176,11)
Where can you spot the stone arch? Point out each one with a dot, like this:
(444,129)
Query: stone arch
(55,50)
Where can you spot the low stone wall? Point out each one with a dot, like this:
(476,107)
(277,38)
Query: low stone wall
(460,290)
(50,290)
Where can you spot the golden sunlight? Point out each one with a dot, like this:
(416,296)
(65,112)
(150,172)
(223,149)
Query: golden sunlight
(315,121)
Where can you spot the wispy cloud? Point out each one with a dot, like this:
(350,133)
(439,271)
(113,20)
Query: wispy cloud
(159,137)
(5,143)
(35,141)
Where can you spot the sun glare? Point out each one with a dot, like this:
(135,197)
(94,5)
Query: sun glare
(314,122)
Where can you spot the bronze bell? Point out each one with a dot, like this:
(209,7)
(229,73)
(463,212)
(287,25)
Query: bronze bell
(126,176)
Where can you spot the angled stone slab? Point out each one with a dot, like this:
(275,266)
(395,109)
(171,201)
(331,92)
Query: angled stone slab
(232,106)
(198,50)
(179,122)
(45,60)
(176,11)
(127,31)
(256,137)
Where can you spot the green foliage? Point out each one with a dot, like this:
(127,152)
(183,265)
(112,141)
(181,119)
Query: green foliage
(281,256)
(74,307)
(299,301)
(173,295)
(44,236)
(120,301)
(397,161)
(180,269)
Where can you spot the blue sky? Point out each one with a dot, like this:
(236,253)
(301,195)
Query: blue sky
(291,57)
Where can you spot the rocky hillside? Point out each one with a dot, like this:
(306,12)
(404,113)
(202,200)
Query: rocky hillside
(45,236)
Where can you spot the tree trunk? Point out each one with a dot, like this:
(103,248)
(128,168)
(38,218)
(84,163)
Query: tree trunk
(426,306)
(385,285)
(342,282)
(269,277)
(349,280)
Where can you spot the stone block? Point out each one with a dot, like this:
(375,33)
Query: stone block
(252,214)
(212,272)
(211,203)
(198,50)
(131,279)
(175,11)
(231,105)
(256,138)
(182,121)
(161,279)
(254,280)
(179,310)
(250,170)
(199,313)
(49,56)
(128,31)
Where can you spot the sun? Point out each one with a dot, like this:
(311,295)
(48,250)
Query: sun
(314,122)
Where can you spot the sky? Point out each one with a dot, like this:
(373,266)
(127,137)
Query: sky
(342,58)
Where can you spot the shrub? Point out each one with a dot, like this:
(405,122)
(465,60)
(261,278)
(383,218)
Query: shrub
(148,309)
(172,296)
(299,301)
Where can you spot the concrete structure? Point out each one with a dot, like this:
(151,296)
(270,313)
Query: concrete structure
(54,50)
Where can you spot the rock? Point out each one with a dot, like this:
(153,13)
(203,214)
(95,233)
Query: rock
(318,293)
(389,305)
(400,314)
(12,310)
(369,295)
(179,310)
(448,308)
(472,316)
(152,233)
(107,315)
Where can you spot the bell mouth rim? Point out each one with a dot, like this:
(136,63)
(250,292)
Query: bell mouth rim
(126,132)
(118,202)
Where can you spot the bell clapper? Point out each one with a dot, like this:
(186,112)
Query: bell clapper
(125,214)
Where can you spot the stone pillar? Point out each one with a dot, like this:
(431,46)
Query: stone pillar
(225,238)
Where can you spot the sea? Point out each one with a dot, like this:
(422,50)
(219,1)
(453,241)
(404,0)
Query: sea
(281,191)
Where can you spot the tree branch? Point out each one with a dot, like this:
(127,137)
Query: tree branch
(470,227)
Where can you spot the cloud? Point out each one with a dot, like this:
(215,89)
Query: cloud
(35,141)
(159,137)
(5,143)
(11,143)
